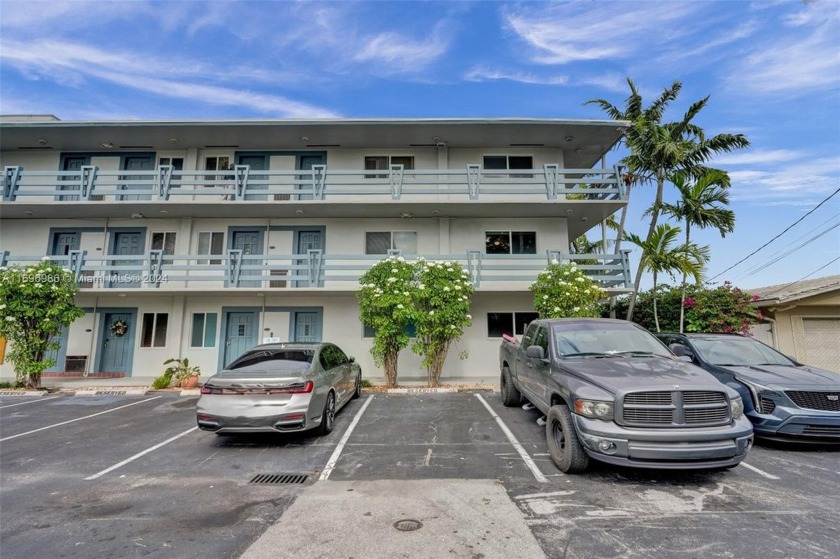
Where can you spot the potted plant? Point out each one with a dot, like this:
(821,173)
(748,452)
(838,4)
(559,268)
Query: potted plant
(181,369)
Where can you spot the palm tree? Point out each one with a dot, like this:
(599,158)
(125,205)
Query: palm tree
(660,151)
(700,205)
(660,256)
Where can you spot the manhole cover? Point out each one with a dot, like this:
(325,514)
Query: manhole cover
(279,479)
(408,525)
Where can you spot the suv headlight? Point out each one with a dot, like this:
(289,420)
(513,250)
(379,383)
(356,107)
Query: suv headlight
(736,407)
(594,409)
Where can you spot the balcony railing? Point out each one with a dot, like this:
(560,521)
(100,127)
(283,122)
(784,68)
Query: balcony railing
(314,269)
(91,184)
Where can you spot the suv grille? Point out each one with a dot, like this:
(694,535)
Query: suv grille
(823,401)
(688,407)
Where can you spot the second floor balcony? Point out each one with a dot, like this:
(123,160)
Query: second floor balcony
(234,271)
(585,195)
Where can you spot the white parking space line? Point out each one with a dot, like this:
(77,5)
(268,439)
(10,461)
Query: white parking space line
(516,444)
(78,419)
(759,472)
(30,402)
(325,474)
(139,454)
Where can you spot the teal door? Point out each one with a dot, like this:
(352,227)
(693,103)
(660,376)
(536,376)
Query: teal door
(58,355)
(306,241)
(241,334)
(136,163)
(127,244)
(305,164)
(116,350)
(257,163)
(71,163)
(250,243)
(63,243)
(307,327)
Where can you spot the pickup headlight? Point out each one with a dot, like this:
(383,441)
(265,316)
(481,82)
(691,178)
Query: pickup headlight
(594,409)
(736,407)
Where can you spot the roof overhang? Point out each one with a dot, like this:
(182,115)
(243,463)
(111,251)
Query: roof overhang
(583,141)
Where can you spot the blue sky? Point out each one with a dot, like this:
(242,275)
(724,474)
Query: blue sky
(772,69)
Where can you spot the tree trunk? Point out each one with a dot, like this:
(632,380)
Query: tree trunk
(391,369)
(682,294)
(654,216)
(655,314)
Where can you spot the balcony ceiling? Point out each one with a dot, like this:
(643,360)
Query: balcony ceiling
(583,141)
(581,215)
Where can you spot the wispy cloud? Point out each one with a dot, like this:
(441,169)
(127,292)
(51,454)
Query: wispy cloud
(580,31)
(483,75)
(74,64)
(758,157)
(804,56)
(803,183)
(400,53)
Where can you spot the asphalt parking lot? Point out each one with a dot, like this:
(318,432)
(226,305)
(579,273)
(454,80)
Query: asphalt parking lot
(130,476)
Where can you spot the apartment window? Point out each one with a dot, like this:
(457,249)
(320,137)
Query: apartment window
(165,242)
(384,162)
(511,242)
(370,332)
(217,163)
(203,330)
(380,242)
(509,162)
(210,242)
(177,165)
(154,329)
(511,323)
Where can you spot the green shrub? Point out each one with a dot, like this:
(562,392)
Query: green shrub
(366,383)
(161,382)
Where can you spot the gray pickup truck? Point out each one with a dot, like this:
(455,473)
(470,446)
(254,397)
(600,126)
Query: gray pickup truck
(612,392)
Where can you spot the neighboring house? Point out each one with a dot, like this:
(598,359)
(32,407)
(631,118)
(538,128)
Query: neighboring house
(204,238)
(805,319)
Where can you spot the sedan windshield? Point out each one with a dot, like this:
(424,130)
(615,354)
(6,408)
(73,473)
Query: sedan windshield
(734,350)
(605,340)
(274,360)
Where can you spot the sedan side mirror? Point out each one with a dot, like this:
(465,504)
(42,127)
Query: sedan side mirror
(351,359)
(535,352)
(681,351)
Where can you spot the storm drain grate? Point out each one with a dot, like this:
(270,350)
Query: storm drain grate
(408,525)
(279,479)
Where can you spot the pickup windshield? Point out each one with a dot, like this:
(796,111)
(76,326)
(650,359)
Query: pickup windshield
(605,340)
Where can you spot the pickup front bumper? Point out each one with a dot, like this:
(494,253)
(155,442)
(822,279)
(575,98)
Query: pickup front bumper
(675,448)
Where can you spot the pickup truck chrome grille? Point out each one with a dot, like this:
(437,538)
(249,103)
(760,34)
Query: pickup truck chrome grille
(823,401)
(679,407)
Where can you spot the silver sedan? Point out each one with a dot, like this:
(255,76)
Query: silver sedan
(280,388)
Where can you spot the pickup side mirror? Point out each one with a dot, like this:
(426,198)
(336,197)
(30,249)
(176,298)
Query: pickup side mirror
(535,352)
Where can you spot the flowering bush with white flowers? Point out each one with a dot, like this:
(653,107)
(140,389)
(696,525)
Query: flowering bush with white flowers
(442,301)
(563,290)
(36,302)
(386,304)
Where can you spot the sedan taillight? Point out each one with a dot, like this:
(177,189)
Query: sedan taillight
(297,388)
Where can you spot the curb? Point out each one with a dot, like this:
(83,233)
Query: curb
(112,392)
(23,393)
(421,390)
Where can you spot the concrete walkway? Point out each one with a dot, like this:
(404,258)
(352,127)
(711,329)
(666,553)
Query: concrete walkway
(356,519)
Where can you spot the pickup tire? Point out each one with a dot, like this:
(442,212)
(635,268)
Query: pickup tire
(510,394)
(563,444)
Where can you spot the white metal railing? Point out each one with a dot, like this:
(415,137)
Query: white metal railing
(91,184)
(313,269)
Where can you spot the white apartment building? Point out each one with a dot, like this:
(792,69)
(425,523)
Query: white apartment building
(208,237)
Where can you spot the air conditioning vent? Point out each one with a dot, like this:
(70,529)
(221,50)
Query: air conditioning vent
(75,364)
(278,283)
